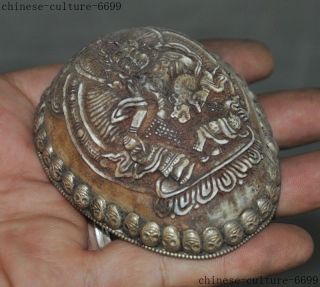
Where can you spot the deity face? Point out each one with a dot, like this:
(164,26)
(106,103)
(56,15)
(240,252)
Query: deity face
(181,113)
(186,94)
(132,223)
(214,126)
(130,58)
(81,196)
(250,220)
(212,239)
(98,208)
(113,216)
(171,240)
(150,234)
(191,241)
(68,182)
(233,233)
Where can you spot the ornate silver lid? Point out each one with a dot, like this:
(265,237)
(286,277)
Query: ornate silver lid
(159,142)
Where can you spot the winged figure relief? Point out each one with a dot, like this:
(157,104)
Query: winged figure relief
(143,105)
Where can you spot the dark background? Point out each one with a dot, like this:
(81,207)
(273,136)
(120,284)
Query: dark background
(289,28)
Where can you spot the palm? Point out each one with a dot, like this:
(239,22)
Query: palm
(44,241)
(39,230)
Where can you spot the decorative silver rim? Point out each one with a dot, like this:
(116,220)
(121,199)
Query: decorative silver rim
(42,141)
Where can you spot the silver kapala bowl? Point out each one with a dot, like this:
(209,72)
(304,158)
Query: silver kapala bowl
(159,142)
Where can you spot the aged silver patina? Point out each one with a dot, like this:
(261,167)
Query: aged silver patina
(160,143)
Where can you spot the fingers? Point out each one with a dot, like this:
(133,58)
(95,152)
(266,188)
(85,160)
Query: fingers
(268,252)
(300,188)
(298,108)
(251,59)
(294,116)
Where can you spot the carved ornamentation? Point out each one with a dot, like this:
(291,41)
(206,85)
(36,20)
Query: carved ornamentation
(212,239)
(150,234)
(98,208)
(265,207)
(250,220)
(160,143)
(132,224)
(56,166)
(81,196)
(191,241)
(129,123)
(233,232)
(171,238)
(113,216)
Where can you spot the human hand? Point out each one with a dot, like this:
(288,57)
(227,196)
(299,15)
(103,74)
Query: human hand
(44,240)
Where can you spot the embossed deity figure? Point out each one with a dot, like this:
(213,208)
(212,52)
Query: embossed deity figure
(161,143)
(220,130)
(140,157)
(153,106)
(173,68)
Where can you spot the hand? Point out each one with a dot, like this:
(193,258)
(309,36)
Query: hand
(44,240)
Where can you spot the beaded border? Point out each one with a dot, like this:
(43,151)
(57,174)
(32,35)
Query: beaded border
(55,170)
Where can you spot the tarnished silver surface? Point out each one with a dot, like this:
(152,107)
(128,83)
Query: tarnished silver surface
(97,238)
(161,143)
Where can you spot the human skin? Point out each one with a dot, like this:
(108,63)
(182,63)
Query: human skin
(44,241)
